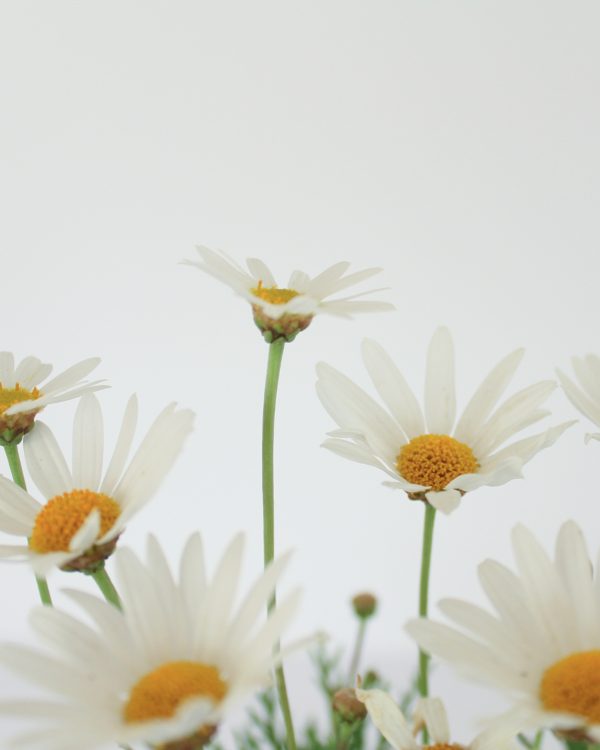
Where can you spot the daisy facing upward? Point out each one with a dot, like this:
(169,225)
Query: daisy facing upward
(424,452)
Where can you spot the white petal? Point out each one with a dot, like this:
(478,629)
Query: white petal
(122,447)
(71,376)
(88,443)
(445,500)
(431,711)
(388,718)
(322,284)
(261,272)
(393,389)
(358,453)
(579,399)
(87,533)
(440,398)
(524,450)
(17,504)
(223,268)
(46,462)
(7,370)
(28,371)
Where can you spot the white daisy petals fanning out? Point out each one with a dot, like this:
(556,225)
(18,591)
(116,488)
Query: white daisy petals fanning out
(425,453)
(430,713)
(22,394)
(585,398)
(284,312)
(166,669)
(542,646)
(85,511)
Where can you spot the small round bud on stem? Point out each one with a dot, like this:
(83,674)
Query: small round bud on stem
(347,706)
(364,605)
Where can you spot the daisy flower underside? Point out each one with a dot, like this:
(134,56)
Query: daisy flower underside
(23,393)
(586,396)
(423,451)
(542,646)
(85,510)
(163,671)
(282,312)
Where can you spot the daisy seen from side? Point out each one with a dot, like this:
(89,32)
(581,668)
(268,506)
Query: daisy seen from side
(164,670)
(423,451)
(585,396)
(282,312)
(542,645)
(23,392)
(85,510)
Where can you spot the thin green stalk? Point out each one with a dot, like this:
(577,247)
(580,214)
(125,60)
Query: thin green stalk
(106,586)
(358,646)
(428,524)
(270,399)
(14,462)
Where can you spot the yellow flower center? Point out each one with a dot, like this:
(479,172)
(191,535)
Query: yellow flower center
(159,693)
(11,396)
(274,294)
(435,460)
(62,517)
(573,685)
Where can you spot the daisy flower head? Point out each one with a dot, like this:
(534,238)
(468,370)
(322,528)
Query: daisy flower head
(282,312)
(542,645)
(166,669)
(430,714)
(586,396)
(424,452)
(85,510)
(23,393)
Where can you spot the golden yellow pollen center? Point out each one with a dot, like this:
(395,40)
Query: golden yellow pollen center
(159,693)
(572,685)
(11,396)
(62,517)
(273,294)
(435,460)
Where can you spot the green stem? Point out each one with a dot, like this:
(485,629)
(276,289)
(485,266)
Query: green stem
(14,462)
(270,398)
(106,586)
(358,646)
(428,524)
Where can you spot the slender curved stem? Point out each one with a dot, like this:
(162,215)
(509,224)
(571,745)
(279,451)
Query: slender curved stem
(16,470)
(423,681)
(268,436)
(106,586)
(358,646)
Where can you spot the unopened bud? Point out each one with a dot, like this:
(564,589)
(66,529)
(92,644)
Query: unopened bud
(347,706)
(364,605)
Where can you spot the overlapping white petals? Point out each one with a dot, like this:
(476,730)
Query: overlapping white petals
(372,435)
(549,610)
(30,373)
(312,295)
(89,670)
(585,397)
(131,487)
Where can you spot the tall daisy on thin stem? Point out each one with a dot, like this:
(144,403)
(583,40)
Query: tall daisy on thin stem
(423,453)
(22,397)
(85,512)
(281,314)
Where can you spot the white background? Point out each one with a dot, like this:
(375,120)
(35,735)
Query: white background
(455,144)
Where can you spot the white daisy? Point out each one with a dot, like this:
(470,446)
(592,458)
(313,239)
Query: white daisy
(284,312)
(586,398)
(21,398)
(543,644)
(425,453)
(85,512)
(164,670)
(430,713)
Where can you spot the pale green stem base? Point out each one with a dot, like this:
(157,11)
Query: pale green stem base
(423,680)
(14,462)
(270,398)
(106,586)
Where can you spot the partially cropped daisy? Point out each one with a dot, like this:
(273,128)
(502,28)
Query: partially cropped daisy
(23,395)
(285,311)
(430,713)
(542,645)
(85,510)
(586,397)
(426,453)
(166,669)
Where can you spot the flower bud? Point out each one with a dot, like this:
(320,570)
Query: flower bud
(364,605)
(347,706)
